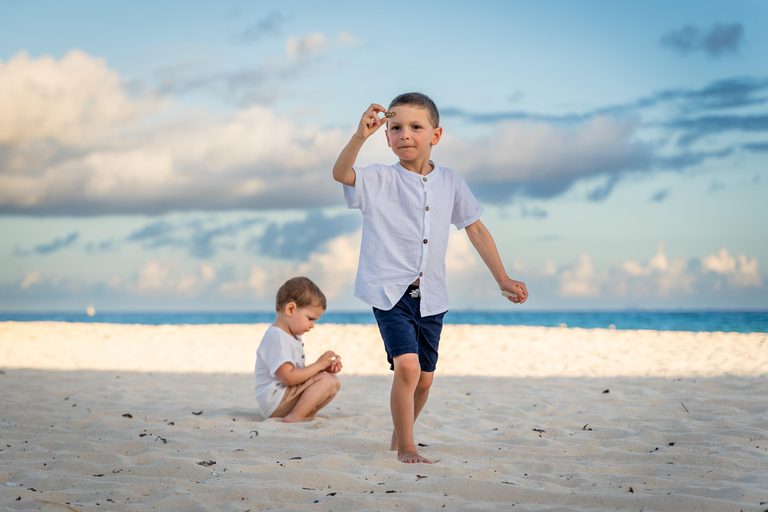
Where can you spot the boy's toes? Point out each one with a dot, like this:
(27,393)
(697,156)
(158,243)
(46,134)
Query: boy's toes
(413,458)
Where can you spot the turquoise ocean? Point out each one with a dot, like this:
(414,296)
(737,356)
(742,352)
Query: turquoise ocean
(697,321)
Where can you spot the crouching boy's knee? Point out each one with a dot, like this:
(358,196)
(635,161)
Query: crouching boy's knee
(329,382)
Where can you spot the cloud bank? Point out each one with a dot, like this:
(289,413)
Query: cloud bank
(539,159)
(655,283)
(71,101)
(78,143)
(97,163)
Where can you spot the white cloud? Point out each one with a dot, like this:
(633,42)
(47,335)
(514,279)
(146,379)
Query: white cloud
(207,272)
(659,261)
(258,284)
(129,162)
(549,155)
(72,100)
(657,282)
(722,263)
(190,284)
(153,276)
(334,269)
(581,280)
(311,43)
(187,284)
(461,256)
(741,271)
(550,269)
(348,40)
(628,282)
(232,289)
(249,159)
(676,278)
(660,277)
(636,269)
(166,277)
(258,280)
(111,173)
(30,279)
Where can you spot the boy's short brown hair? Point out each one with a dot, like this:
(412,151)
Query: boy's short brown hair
(301,291)
(417,99)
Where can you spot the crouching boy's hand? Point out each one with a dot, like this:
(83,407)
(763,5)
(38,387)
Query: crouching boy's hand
(335,367)
(330,361)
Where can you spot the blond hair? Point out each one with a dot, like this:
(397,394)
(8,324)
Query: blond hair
(301,291)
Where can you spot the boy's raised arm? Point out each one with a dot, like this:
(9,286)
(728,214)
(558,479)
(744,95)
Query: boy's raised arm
(486,247)
(369,123)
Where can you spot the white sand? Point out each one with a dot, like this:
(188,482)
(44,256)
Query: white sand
(538,418)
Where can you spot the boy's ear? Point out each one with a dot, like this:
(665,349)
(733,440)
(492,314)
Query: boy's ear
(436,135)
(290,308)
(386,132)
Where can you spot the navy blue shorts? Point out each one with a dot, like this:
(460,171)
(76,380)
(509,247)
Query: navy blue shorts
(405,331)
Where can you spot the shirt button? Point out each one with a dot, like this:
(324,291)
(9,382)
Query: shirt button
(427,208)
(302,357)
(425,240)
(421,274)
(425,179)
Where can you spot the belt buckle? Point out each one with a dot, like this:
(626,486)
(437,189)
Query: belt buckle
(415,293)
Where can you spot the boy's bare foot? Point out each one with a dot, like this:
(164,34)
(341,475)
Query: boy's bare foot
(413,458)
(291,419)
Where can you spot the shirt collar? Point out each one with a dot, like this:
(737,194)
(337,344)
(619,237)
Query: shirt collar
(415,176)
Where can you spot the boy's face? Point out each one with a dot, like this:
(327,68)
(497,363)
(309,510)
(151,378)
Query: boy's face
(409,133)
(301,320)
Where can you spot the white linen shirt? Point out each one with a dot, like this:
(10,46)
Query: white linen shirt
(406,223)
(277,347)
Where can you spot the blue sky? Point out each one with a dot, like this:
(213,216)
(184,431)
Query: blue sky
(177,156)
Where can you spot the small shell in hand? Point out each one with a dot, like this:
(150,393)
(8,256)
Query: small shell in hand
(390,114)
(509,294)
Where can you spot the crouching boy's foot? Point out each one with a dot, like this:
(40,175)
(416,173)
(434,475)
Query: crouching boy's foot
(294,419)
(314,394)
(413,458)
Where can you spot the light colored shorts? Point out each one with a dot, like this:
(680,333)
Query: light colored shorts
(291,398)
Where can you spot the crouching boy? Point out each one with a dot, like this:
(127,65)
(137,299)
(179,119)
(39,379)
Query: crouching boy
(285,387)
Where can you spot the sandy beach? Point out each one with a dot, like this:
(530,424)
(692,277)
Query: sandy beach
(138,418)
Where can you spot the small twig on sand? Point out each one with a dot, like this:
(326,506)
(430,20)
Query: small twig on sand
(684,407)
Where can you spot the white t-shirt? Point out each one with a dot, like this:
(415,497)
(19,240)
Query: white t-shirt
(406,223)
(277,347)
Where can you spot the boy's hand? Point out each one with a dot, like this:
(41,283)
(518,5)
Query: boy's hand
(335,367)
(517,290)
(370,122)
(328,359)
(343,169)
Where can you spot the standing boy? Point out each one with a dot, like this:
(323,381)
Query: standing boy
(285,387)
(407,211)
